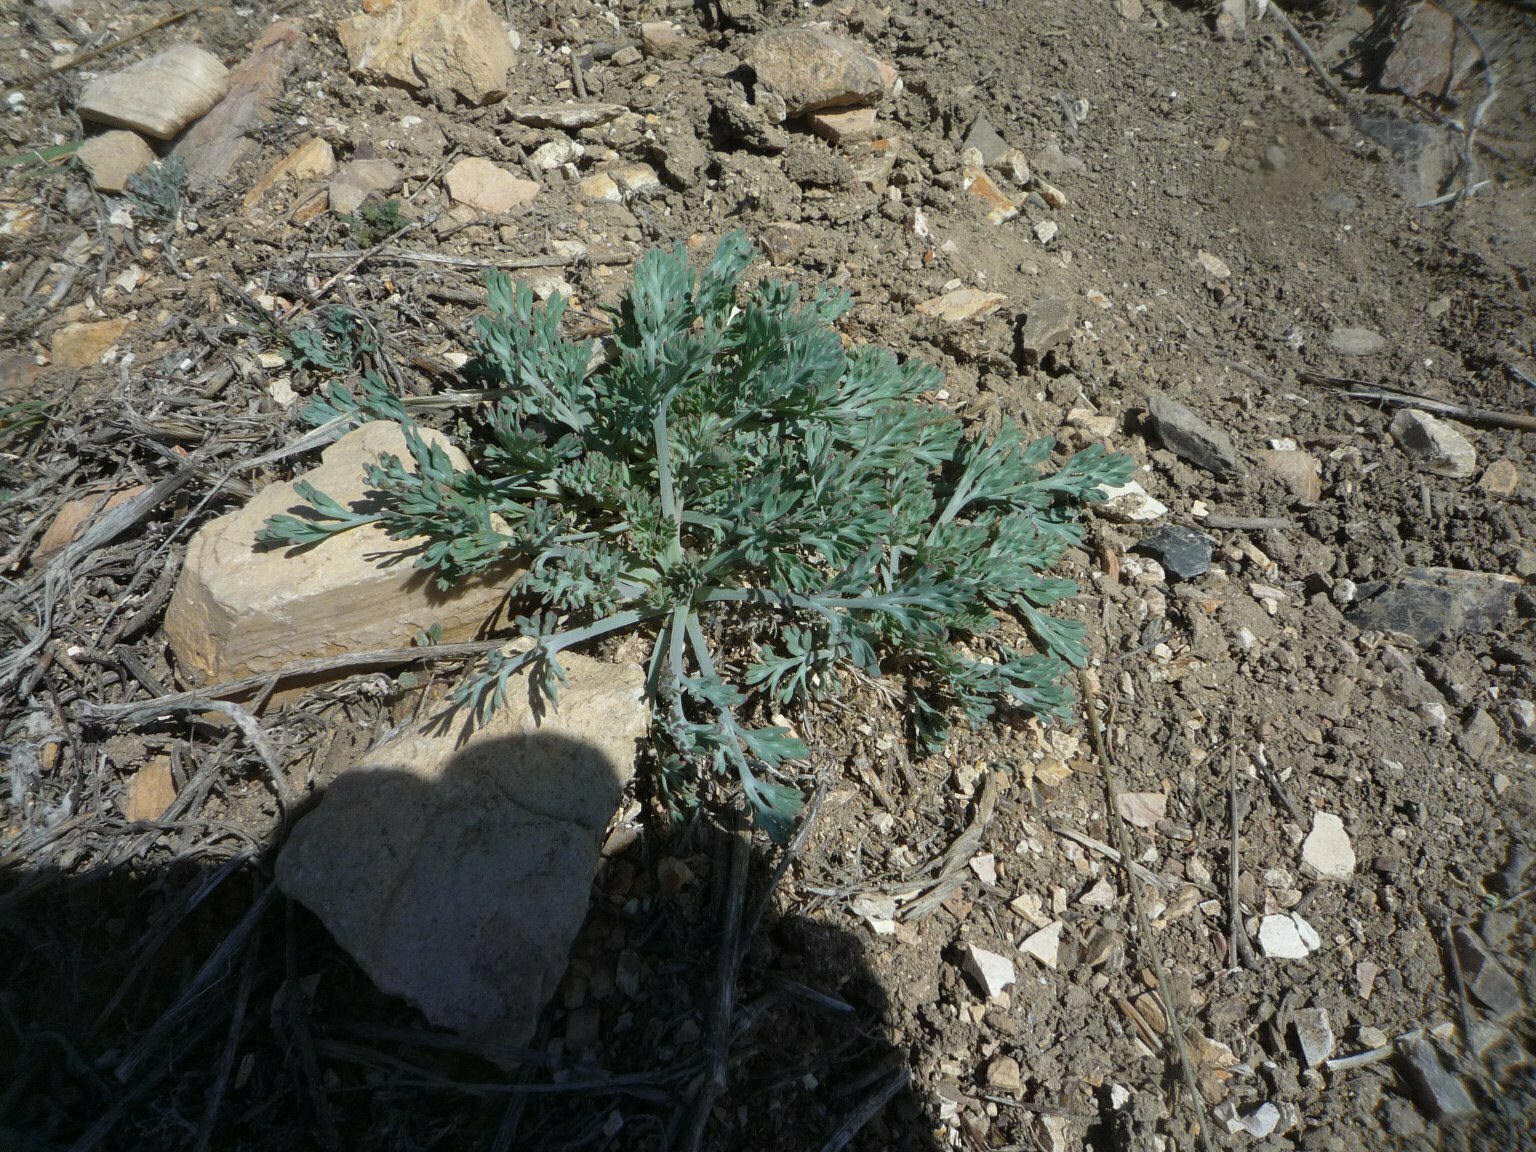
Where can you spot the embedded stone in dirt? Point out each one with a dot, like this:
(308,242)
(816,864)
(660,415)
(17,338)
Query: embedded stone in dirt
(855,126)
(1356,341)
(1327,850)
(1142,809)
(445,46)
(963,304)
(311,160)
(813,70)
(356,180)
(1433,444)
(1430,56)
(458,874)
(1183,552)
(1314,1035)
(111,158)
(1047,323)
(1044,945)
(1129,503)
(240,607)
(982,188)
(72,518)
(1439,1093)
(151,791)
(83,344)
(488,187)
(1501,478)
(570,117)
(984,138)
(992,972)
(1287,937)
(159,96)
(1428,603)
(222,138)
(1486,979)
(1301,472)
(1190,438)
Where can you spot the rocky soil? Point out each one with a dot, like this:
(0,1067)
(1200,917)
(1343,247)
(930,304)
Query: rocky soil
(1120,221)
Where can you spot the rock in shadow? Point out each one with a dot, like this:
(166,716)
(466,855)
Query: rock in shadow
(184,1004)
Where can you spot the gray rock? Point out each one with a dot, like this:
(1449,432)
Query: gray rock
(984,138)
(1181,551)
(457,875)
(1047,323)
(1433,444)
(1480,738)
(570,117)
(1191,438)
(1314,1036)
(1428,603)
(1440,1094)
(1356,341)
(1486,979)
(813,70)
(356,180)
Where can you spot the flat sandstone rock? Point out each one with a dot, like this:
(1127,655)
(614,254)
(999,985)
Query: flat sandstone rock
(241,608)
(159,96)
(459,875)
(444,46)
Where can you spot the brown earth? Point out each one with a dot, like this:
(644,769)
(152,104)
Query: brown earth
(1222,217)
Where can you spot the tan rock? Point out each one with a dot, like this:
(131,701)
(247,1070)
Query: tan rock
(1501,478)
(1299,471)
(314,159)
(638,179)
(221,139)
(488,187)
(444,46)
(82,344)
(240,607)
(159,96)
(855,126)
(981,188)
(600,187)
(963,304)
(664,40)
(356,180)
(75,515)
(814,70)
(571,117)
(782,240)
(151,791)
(458,874)
(111,158)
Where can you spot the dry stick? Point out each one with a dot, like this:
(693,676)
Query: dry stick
(953,862)
(870,1107)
(231,1045)
(1360,390)
(1236,807)
(91,54)
(216,696)
(1144,874)
(1154,950)
(214,969)
(513,264)
(1305,49)
(252,730)
(319,293)
(718,1042)
(295,1011)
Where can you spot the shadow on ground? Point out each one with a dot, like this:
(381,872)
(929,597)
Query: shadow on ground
(186,1003)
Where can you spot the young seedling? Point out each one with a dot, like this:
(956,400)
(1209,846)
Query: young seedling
(771,510)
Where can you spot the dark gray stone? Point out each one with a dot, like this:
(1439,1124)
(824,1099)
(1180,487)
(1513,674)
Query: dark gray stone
(1191,438)
(1047,323)
(1440,1094)
(1486,979)
(1183,552)
(984,138)
(1428,603)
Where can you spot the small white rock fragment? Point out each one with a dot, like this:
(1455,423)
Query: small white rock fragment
(1261,1121)
(1142,809)
(1327,850)
(1046,230)
(991,971)
(985,868)
(1438,447)
(1044,945)
(1281,938)
(1101,895)
(1214,265)
(1129,502)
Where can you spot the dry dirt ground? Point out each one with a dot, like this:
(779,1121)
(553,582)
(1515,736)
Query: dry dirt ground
(155,995)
